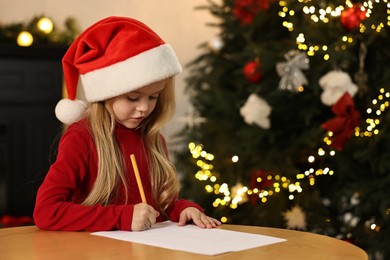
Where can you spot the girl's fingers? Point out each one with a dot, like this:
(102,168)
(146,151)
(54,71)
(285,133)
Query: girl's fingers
(209,222)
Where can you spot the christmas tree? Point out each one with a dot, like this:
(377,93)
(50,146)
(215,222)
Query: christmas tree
(290,126)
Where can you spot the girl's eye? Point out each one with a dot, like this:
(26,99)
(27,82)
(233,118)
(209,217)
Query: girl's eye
(135,99)
(131,99)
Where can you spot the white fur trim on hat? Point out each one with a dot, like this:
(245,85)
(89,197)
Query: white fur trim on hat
(70,111)
(122,77)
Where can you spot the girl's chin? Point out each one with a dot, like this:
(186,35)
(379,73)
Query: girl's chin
(131,124)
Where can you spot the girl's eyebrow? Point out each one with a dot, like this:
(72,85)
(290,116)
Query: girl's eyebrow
(138,92)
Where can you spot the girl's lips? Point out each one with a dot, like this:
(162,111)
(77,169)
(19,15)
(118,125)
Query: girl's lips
(138,118)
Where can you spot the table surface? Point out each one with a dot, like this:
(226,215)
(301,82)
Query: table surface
(31,243)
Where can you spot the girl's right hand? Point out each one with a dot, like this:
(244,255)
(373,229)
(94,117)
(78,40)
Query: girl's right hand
(144,216)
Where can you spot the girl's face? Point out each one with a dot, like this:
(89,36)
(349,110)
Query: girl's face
(131,108)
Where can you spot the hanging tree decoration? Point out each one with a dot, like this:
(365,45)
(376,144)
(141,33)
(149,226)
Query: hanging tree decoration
(292,77)
(295,218)
(343,125)
(253,71)
(246,10)
(334,84)
(361,75)
(256,111)
(352,17)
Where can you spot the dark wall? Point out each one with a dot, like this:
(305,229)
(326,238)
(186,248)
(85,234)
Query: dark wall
(30,87)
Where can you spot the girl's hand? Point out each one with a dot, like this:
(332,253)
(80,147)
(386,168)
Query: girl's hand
(144,216)
(199,218)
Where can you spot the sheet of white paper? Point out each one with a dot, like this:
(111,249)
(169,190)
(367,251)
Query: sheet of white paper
(193,239)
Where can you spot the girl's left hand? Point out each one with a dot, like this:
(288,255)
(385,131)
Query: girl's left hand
(199,218)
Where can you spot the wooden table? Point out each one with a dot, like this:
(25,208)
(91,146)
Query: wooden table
(30,243)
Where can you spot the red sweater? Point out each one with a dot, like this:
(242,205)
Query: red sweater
(71,177)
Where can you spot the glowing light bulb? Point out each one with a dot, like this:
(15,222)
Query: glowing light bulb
(24,39)
(45,25)
(311,159)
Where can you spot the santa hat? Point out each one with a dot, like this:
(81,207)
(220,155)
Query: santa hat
(112,57)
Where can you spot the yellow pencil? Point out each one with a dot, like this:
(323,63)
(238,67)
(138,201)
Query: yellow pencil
(138,178)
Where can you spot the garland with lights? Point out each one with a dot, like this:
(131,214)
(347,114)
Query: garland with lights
(40,30)
(351,16)
(233,196)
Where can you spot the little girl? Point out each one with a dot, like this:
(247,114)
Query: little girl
(122,74)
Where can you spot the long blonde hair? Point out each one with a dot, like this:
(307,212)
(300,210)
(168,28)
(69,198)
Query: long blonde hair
(111,167)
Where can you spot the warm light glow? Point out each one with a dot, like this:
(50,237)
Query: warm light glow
(25,39)
(311,159)
(45,25)
(379,105)
(233,196)
(320,13)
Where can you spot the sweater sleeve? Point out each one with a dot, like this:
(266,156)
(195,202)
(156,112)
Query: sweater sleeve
(66,183)
(178,206)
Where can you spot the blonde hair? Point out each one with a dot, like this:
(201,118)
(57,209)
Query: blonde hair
(111,167)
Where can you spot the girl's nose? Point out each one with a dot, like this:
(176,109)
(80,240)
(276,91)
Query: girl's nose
(143,106)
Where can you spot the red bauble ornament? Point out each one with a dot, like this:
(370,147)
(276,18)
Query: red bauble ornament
(246,10)
(352,17)
(253,71)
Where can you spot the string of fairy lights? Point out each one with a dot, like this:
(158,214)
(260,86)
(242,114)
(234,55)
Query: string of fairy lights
(233,196)
(324,15)
(25,38)
(378,106)
(39,31)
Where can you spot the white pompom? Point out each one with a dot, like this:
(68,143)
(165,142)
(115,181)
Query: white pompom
(70,111)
